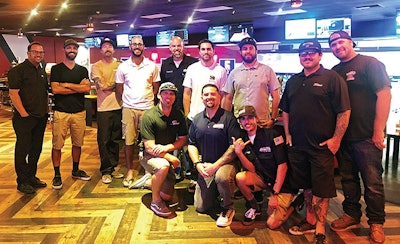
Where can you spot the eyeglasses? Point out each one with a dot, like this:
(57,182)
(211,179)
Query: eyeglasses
(34,52)
(304,54)
(137,44)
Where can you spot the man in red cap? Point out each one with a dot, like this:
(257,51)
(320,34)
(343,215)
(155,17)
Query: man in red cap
(362,146)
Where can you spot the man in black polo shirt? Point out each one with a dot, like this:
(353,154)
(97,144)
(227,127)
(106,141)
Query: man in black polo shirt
(163,131)
(29,95)
(210,147)
(316,112)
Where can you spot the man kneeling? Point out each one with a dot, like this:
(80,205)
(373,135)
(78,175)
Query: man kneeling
(262,153)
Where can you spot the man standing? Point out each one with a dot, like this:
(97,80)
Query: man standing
(252,84)
(361,149)
(29,95)
(69,83)
(174,68)
(316,96)
(201,73)
(137,83)
(163,131)
(109,111)
(210,147)
(262,153)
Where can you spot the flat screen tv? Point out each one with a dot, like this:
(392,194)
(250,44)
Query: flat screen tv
(239,31)
(93,42)
(218,34)
(122,40)
(300,29)
(398,24)
(325,27)
(163,37)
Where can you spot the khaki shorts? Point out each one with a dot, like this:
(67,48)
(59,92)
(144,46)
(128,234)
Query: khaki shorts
(75,122)
(279,215)
(131,124)
(153,164)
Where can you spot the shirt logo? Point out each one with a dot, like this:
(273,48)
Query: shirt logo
(278,140)
(265,149)
(218,126)
(169,71)
(318,84)
(350,75)
(175,122)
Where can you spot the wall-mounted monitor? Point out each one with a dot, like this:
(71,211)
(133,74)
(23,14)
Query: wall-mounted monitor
(300,29)
(133,35)
(398,24)
(218,34)
(163,37)
(325,27)
(239,31)
(93,42)
(122,40)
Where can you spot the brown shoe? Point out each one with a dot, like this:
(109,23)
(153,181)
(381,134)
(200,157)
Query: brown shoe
(344,223)
(376,233)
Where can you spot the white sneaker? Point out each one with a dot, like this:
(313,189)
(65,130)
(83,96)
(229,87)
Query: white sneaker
(107,179)
(140,183)
(117,175)
(225,218)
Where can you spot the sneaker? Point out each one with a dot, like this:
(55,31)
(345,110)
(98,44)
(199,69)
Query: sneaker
(81,175)
(258,195)
(298,203)
(192,186)
(35,182)
(107,179)
(237,195)
(302,228)
(250,215)
(26,188)
(57,183)
(160,209)
(376,233)
(127,181)
(344,223)
(225,218)
(140,183)
(320,238)
(117,175)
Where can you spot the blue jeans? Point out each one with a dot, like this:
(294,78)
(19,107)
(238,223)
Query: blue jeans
(362,158)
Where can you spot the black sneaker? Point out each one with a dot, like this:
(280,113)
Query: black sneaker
(35,182)
(81,175)
(320,238)
(26,188)
(302,228)
(57,183)
(250,216)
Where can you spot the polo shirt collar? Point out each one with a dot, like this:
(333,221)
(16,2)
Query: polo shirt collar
(253,67)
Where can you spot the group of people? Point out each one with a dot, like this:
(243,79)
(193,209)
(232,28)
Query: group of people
(226,125)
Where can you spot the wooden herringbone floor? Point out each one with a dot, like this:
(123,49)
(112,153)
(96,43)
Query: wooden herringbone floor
(92,212)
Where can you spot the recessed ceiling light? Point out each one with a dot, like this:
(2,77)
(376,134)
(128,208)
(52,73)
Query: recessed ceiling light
(213,9)
(155,16)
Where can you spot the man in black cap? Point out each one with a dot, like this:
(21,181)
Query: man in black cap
(252,83)
(69,83)
(316,96)
(362,146)
(163,131)
(262,153)
(109,111)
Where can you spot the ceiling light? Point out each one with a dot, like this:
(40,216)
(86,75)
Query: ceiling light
(90,26)
(20,34)
(296,3)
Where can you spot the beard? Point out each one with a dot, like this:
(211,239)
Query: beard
(137,55)
(68,56)
(248,59)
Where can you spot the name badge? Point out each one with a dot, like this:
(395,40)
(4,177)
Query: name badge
(218,126)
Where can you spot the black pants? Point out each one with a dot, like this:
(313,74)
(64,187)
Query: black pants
(29,132)
(109,139)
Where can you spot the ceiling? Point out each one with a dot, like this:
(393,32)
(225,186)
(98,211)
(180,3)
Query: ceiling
(111,17)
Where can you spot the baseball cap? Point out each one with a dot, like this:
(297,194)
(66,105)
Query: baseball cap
(106,39)
(338,35)
(70,42)
(247,110)
(310,44)
(167,86)
(247,40)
